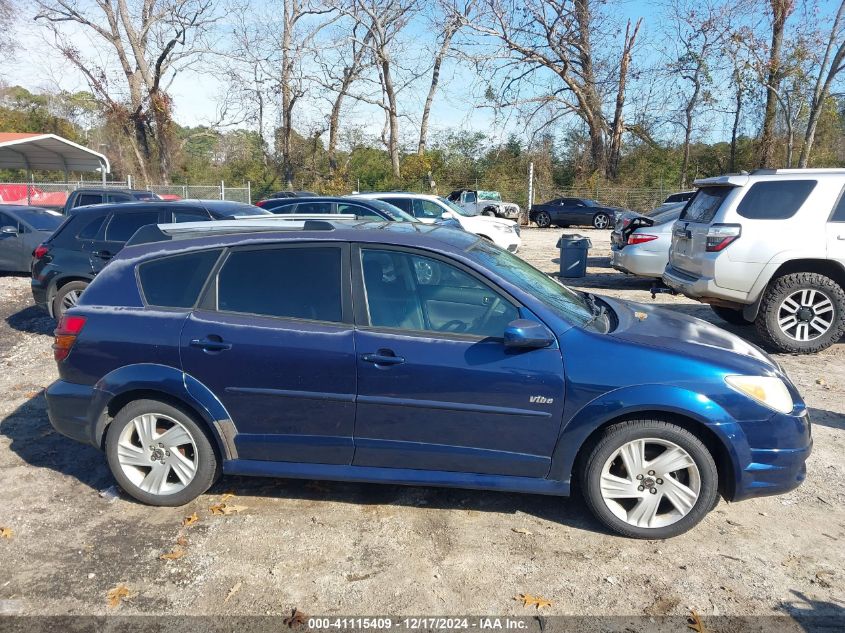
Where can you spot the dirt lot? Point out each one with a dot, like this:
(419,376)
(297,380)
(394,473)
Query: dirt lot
(333,548)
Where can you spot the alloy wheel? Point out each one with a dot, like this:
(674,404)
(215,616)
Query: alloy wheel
(601,221)
(806,314)
(157,454)
(543,220)
(650,483)
(71,299)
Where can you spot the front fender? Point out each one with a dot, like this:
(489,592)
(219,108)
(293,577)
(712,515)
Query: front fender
(169,381)
(651,400)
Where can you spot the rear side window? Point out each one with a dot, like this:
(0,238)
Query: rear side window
(707,200)
(176,282)
(775,199)
(190,216)
(124,225)
(402,203)
(839,211)
(91,229)
(298,283)
(85,199)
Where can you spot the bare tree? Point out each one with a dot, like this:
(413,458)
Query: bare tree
(780,12)
(831,64)
(454,14)
(7,20)
(557,37)
(618,115)
(149,41)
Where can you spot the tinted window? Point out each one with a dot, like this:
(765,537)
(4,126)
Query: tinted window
(118,197)
(124,225)
(300,283)
(411,292)
(89,231)
(839,211)
(426,209)
(176,282)
(702,208)
(469,197)
(41,220)
(356,209)
(774,199)
(88,198)
(190,216)
(401,203)
(313,207)
(280,206)
(7,220)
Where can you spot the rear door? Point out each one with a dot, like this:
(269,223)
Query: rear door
(836,232)
(120,226)
(273,340)
(689,235)
(437,389)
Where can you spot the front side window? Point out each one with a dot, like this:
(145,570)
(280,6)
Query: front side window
(297,283)
(176,282)
(357,210)
(123,225)
(400,203)
(427,209)
(412,292)
(775,199)
(707,200)
(469,197)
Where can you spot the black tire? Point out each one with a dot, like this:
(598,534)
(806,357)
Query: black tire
(62,299)
(543,220)
(208,464)
(778,291)
(601,221)
(489,213)
(731,315)
(612,439)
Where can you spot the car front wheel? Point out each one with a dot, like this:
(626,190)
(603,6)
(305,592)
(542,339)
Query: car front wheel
(649,479)
(601,221)
(159,455)
(802,313)
(543,220)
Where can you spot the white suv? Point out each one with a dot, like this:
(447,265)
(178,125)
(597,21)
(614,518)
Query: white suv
(769,248)
(429,209)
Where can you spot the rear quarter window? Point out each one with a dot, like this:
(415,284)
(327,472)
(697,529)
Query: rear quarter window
(703,206)
(176,281)
(775,199)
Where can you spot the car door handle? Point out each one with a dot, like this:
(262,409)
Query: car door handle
(103,254)
(211,346)
(379,358)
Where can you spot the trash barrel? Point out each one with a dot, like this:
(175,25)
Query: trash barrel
(573,255)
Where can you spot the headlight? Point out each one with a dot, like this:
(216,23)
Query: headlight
(767,390)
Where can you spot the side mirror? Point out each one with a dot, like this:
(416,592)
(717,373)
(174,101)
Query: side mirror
(447,215)
(527,334)
(9,230)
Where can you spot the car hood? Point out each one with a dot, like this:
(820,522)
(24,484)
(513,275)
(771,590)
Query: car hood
(674,331)
(486,219)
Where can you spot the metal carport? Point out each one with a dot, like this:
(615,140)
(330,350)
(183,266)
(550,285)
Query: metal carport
(48,152)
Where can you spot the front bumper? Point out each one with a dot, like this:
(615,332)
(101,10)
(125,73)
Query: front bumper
(69,407)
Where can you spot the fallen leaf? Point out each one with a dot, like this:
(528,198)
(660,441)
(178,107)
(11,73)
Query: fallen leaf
(117,594)
(182,541)
(190,520)
(174,554)
(226,496)
(694,622)
(296,619)
(532,601)
(226,509)
(235,588)
(6,532)
(642,316)
(522,531)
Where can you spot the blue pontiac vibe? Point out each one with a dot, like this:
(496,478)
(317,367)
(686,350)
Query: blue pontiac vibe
(411,354)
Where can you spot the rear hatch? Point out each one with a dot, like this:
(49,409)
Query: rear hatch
(689,235)
(627,223)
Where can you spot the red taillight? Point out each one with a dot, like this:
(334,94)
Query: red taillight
(40,251)
(66,332)
(640,238)
(260,203)
(719,236)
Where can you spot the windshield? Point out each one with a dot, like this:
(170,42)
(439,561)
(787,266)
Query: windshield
(489,195)
(459,210)
(41,220)
(573,306)
(394,213)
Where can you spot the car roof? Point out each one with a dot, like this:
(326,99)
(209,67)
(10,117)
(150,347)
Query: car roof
(109,190)
(124,207)
(23,207)
(311,199)
(394,194)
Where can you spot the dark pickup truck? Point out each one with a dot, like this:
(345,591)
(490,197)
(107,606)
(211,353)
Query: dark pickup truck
(84,197)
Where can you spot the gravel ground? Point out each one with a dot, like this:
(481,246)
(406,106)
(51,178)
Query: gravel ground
(333,548)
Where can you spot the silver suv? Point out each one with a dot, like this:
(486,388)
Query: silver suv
(769,248)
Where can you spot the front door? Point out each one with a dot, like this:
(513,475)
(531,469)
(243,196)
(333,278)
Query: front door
(11,244)
(274,341)
(437,389)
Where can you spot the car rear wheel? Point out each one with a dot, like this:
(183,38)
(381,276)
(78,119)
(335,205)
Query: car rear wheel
(802,313)
(67,297)
(649,479)
(544,220)
(601,221)
(159,455)
(731,315)
(489,213)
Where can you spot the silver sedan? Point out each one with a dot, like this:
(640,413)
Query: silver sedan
(640,243)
